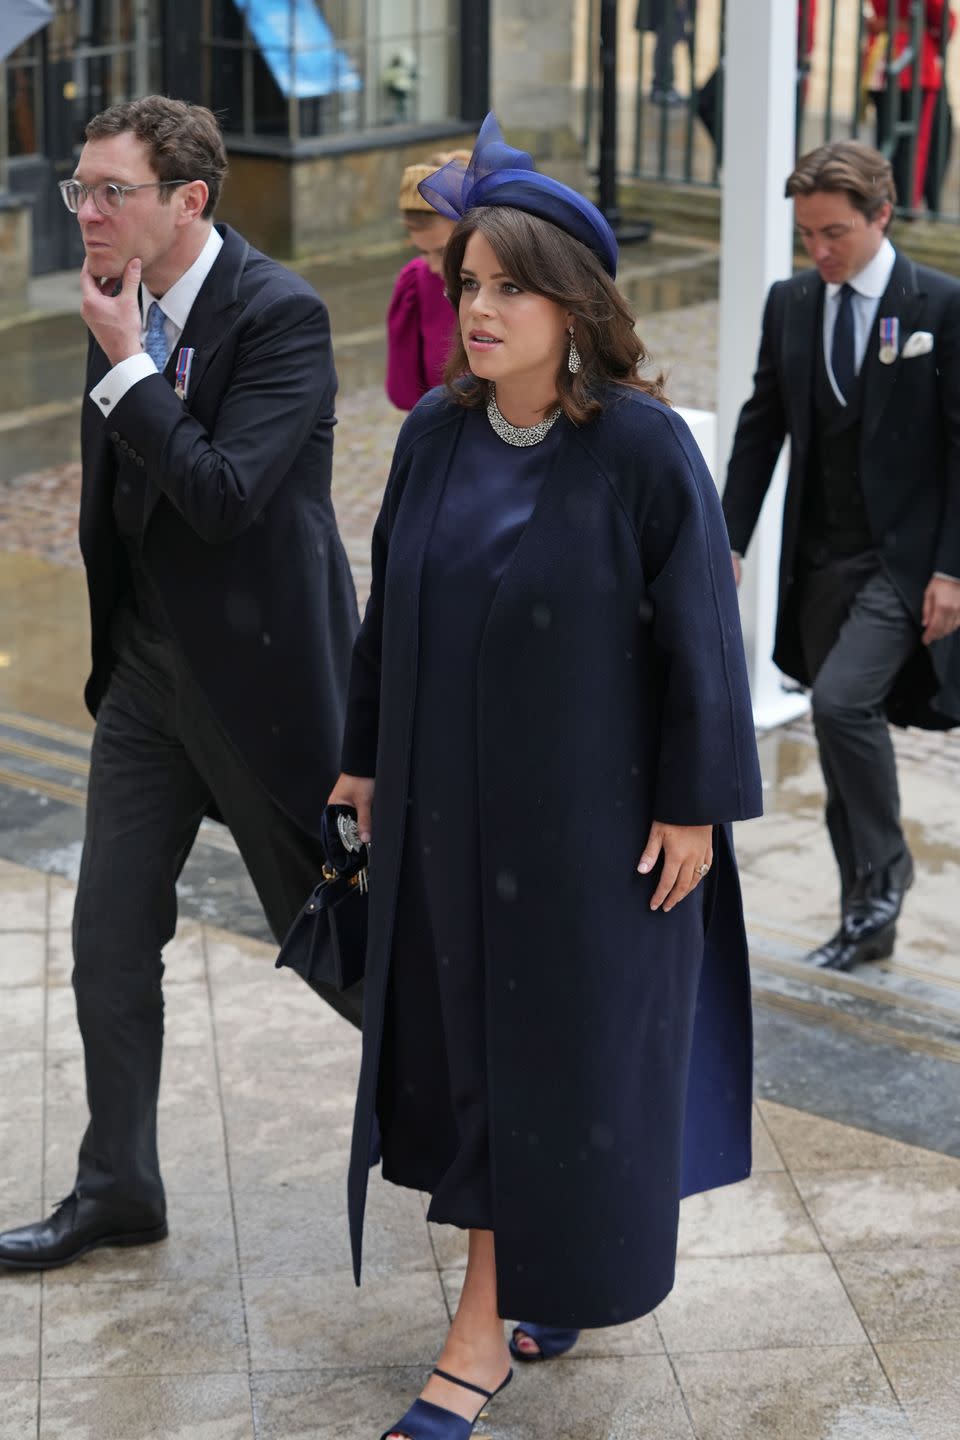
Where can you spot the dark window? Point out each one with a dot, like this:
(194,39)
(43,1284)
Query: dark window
(302,69)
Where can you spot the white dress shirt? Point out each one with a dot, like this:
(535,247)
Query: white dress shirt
(868,286)
(176,305)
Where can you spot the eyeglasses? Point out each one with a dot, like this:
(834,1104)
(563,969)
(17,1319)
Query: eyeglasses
(831,233)
(108,196)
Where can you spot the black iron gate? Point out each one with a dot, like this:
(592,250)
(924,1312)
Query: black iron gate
(875,70)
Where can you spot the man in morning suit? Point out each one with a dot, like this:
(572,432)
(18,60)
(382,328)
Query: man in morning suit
(222,609)
(859,366)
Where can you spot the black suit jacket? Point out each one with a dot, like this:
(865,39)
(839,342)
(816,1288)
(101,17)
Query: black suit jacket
(239,536)
(909,461)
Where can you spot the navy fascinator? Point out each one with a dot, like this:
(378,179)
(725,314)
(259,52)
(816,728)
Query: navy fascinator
(499,175)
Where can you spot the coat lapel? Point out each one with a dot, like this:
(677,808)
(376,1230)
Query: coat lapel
(428,467)
(212,315)
(901,300)
(801,338)
(214,310)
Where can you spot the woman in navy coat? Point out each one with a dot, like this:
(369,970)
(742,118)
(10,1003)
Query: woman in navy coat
(548,733)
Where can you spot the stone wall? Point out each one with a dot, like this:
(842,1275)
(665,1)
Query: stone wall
(356,193)
(15,254)
(293,207)
(531,72)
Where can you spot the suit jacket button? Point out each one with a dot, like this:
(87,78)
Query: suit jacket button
(124,445)
(140,460)
(114,435)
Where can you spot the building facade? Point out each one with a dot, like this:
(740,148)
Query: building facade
(322,102)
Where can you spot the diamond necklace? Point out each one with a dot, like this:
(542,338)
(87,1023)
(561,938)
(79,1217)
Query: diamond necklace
(518,434)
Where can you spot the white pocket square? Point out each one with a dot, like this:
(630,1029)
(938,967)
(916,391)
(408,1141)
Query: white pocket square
(919,343)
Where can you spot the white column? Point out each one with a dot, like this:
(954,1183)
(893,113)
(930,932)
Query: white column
(756,248)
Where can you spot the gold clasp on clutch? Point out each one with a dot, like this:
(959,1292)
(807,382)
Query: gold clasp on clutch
(355,882)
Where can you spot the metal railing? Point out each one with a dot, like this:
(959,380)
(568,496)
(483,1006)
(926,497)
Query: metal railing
(853,80)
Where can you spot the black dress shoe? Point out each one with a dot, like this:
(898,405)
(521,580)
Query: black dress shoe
(844,951)
(77,1225)
(897,879)
(878,898)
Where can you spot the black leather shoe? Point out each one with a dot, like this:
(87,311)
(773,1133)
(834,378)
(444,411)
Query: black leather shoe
(871,917)
(878,898)
(844,951)
(77,1225)
(897,879)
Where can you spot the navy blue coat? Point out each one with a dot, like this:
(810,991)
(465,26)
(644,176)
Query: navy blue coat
(612,691)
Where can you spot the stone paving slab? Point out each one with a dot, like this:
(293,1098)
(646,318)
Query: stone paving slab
(819,1300)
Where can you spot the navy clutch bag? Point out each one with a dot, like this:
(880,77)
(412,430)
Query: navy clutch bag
(327,942)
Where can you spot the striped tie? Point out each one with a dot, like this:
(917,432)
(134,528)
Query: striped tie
(155,341)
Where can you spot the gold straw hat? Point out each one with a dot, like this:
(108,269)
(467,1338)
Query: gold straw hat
(410,197)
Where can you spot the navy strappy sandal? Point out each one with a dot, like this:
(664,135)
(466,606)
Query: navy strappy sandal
(426,1421)
(551,1340)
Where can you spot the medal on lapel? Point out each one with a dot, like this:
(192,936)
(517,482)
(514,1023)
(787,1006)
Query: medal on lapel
(184,365)
(889,339)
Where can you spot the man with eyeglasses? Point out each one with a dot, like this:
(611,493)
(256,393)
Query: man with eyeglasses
(222,606)
(859,367)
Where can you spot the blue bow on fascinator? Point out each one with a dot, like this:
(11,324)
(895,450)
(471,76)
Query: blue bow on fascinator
(499,175)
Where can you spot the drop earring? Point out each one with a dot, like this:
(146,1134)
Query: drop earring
(573,357)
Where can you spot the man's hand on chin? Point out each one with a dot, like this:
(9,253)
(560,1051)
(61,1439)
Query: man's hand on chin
(113,320)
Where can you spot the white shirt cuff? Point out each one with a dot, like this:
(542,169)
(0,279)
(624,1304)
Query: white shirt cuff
(942,575)
(119,380)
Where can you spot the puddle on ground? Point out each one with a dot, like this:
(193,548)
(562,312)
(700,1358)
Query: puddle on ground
(793,785)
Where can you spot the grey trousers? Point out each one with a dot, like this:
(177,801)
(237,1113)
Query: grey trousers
(854,651)
(158,758)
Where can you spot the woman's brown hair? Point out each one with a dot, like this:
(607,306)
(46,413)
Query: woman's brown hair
(543,259)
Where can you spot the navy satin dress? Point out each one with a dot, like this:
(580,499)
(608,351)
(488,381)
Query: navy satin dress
(432,1100)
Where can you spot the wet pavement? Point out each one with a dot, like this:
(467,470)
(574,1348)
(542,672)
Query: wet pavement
(820,1301)
(817,1301)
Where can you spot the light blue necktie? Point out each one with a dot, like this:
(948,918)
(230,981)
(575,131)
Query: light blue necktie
(155,341)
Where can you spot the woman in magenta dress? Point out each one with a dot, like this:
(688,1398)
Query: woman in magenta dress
(420,320)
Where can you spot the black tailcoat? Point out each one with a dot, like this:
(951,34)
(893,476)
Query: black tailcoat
(611,691)
(909,462)
(239,535)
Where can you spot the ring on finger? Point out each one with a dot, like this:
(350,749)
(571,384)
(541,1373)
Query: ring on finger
(701,870)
